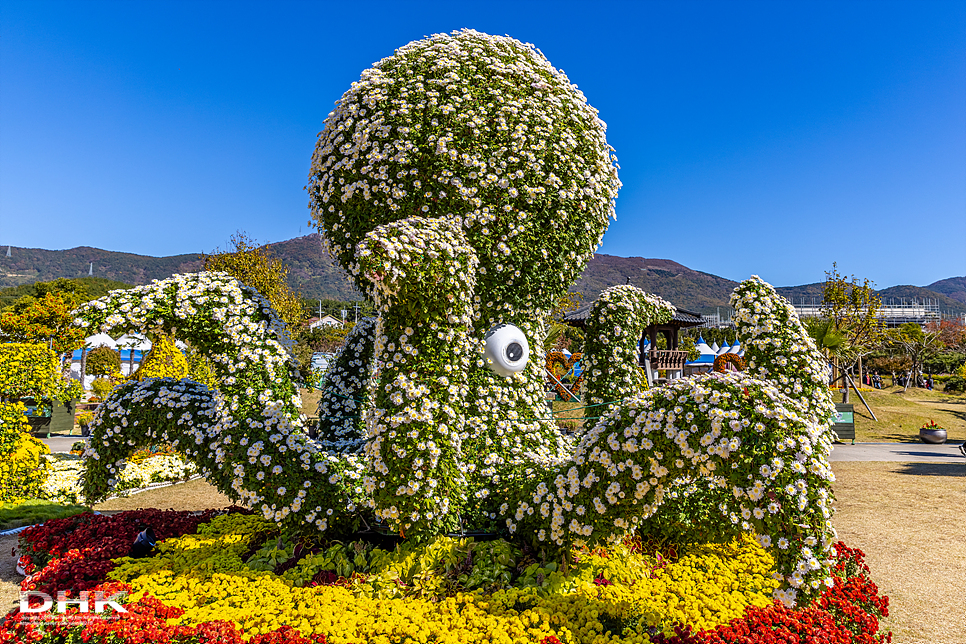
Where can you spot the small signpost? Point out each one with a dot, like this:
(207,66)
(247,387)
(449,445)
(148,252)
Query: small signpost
(844,422)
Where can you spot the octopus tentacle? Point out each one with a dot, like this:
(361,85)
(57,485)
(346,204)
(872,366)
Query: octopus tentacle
(422,270)
(766,440)
(616,323)
(287,476)
(340,405)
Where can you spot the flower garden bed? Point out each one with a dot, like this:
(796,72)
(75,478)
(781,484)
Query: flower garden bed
(63,482)
(233,577)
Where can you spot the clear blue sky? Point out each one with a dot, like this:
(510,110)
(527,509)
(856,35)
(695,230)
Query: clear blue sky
(767,138)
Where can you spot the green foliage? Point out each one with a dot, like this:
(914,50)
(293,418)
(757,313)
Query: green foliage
(32,371)
(955,384)
(687,343)
(254,266)
(102,387)
(200,369)
(33,511)
(323,338)
(23,468)
(83,289)
(103,361)
(435,568)
(852,310)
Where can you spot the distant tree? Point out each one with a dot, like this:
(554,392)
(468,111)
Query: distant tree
(324,338)
(561,335)
(103,361)
(917,345)
(83,290)
(952,337)
(852,309)
(255,267)
(45,320)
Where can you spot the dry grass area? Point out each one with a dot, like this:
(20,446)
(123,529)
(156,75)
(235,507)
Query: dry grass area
(900,415)
(193,495)
(909,520)
(310,402)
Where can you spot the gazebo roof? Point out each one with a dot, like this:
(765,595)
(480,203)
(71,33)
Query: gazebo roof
(682,318)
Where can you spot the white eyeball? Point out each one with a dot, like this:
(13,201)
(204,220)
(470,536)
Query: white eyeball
(507,350)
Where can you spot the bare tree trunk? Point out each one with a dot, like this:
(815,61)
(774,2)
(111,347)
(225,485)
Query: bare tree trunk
(861,375)
(908,380)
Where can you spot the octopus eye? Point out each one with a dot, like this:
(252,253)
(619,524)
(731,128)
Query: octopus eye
(507,350)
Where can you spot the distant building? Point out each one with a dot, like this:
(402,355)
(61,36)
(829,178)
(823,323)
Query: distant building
(328,320)
(893,312)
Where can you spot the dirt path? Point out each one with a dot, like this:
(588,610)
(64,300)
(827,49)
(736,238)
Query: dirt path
(9,579)
(910,520)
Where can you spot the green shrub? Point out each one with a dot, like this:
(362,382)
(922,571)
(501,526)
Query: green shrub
(103,361)
(102,387)
(955,384)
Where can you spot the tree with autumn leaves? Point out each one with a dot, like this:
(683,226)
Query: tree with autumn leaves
(46,318)
(254,266)
(849,327)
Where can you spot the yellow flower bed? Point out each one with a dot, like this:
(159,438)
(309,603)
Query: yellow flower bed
(22,465)
(205,575)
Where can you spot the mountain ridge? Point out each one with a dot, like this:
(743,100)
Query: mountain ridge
(313,272)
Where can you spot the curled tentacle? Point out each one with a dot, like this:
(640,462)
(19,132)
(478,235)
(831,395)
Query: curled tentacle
(422,272)
(615,325)
(341,427)
(248,438)
(766,440)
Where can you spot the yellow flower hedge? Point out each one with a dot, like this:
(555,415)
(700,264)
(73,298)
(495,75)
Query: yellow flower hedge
(27,371)
(605,597)
(164,360)
(23,467)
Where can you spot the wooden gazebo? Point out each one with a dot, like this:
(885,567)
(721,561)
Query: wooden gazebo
(670,360)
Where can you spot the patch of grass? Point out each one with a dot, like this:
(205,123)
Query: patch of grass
(310,402)
(193,495)
(908,518)
(31,511)
(900,415)
(570,415)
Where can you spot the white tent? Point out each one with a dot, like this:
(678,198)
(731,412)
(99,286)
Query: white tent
(724,349)
(100,340)
(715,348)
(703,347)
(135,341)
(736,347)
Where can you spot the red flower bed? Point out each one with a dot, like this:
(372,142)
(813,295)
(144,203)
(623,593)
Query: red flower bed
(75,553)
(846,613)
(144,623)
(79,550)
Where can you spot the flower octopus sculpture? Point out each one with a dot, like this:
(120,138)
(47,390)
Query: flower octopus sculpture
(464,183)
